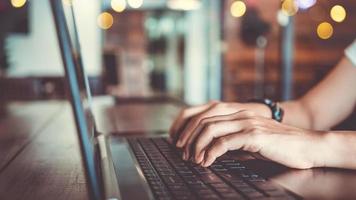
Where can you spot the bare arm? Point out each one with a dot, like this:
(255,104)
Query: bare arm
(328,103)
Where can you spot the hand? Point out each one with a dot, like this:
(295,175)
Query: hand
(182,130)
(287,145)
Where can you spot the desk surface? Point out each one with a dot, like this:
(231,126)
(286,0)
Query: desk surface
(40,159)
(39,153)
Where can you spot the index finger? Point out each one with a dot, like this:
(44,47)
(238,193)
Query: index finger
(185,114)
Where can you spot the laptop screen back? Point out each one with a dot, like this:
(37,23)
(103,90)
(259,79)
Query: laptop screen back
(64,19)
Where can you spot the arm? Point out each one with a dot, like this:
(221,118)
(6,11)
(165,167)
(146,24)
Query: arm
(288,145)
(328,103)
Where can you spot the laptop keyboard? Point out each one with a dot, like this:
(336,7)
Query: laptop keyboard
(170,177)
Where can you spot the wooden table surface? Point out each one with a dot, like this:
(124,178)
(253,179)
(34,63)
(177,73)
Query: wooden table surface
(39,152)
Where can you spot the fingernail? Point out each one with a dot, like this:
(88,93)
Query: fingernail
(206,164)
(200,157)
(179,143)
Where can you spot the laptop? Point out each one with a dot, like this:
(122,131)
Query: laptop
(151,168)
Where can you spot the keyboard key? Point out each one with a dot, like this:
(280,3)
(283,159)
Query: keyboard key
(231,177)
(210,178)
(276,193)
(225,190)
(232,195)
(172,178)
(209,197)
(265,186)
(220,185)
(254,195)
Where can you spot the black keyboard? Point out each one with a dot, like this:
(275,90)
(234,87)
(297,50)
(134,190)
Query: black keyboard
(170,177)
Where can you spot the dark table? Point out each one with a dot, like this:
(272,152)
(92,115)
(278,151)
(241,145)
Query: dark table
(40,158)
(39,152)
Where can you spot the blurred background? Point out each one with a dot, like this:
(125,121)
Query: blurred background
(193,50)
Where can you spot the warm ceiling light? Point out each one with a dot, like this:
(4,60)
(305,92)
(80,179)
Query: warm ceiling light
(135,3)
(184,4)
(325,30)
(338,13)
(290,7)
(118,5)
(18,3)
(305,4)
(238,9)
(105,20)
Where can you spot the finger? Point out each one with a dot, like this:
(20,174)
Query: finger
(213,131)
(224,144)
(186,114)
(191,138)
(216,109)
(240,121)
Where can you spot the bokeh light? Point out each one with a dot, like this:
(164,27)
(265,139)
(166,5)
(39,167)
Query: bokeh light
(305,4)
(338,13)
(238,9)
(135,3)
(105,20)
(325,30)
(18,3)
(118,5)
(290,7)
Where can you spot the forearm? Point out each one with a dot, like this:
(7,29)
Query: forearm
(326,104)
(336,149)
(297,113)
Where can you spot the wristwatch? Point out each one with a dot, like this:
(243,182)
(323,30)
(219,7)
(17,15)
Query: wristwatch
(276,110)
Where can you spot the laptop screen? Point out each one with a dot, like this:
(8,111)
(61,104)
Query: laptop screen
(77,81)
(81,75)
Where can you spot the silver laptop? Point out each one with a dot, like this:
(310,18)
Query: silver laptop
(151,168)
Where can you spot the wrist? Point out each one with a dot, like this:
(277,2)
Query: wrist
(319,148)
(276,111)
(337,150)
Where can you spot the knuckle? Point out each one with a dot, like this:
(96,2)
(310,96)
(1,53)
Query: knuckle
(219,105)
(252,122)
(256,121)
(195,120)
(210,128)
(248,113)
(221,142)
(198,118)
(255,130)
(204,121)
(258,130)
